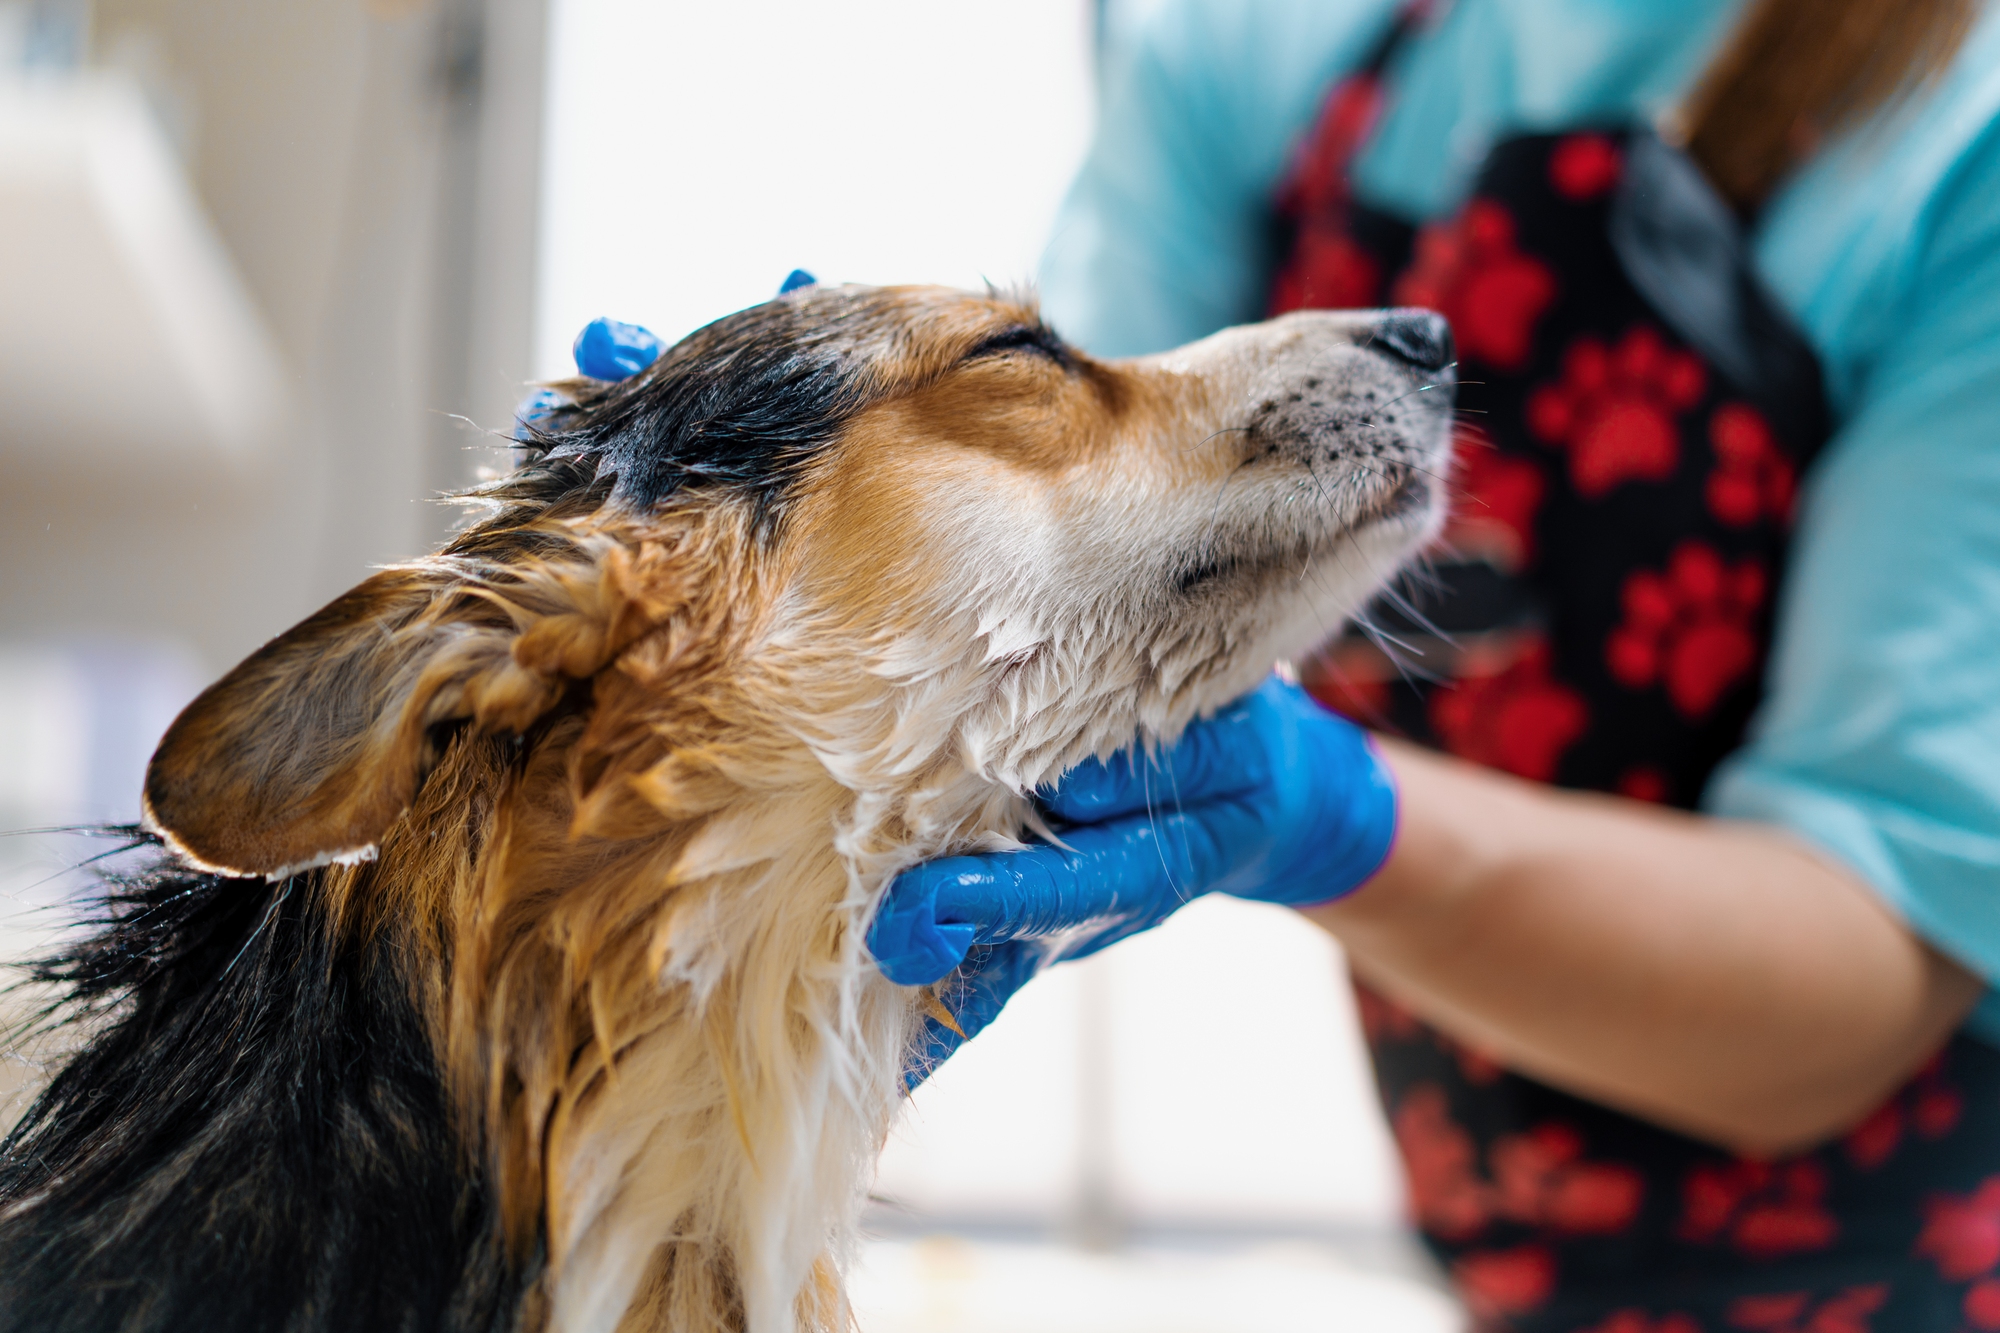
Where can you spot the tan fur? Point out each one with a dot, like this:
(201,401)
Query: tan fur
(638,930)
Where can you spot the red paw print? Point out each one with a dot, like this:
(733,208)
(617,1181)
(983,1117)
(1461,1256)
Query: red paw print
(1643,782)
(1928,1106)
(1846,1311)
(1584,166)
(1470,271)
(1541,1179)
(1638,1321)
(1441,1163)
(1616,409)
(1691,629)
(1495,1284)
(1762,1209)
(1982,1305)
(1494,516)
(1327,271)
(1751,478)
(1962,1232)
(1519,720)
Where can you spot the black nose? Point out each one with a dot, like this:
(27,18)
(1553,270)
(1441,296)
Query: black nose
(1420,337)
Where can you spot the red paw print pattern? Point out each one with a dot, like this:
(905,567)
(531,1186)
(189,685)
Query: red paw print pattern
(1617,409)
(1441,1163)
(1541,1179)
(1762,1209)
(1584,166)
(1638,1321)
(1751,478)
(1961,1233)
(1643,782)
(1519,721)
(1982,1305)
(1928,1106)
(1328,271)
(1692,628)
(1498,495)
(1497,1284)
(1470,271)
(1847,1311)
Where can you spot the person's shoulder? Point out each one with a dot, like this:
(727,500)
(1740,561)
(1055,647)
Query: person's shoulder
(1897,222)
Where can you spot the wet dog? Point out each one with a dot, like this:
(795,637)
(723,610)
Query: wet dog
(502,965)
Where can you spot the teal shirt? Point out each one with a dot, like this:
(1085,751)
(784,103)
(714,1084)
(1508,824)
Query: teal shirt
(1879,741)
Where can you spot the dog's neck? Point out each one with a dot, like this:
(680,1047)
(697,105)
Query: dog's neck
(738,1056)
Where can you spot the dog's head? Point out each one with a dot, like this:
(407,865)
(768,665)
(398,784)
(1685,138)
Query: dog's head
(912,498)
(824,591)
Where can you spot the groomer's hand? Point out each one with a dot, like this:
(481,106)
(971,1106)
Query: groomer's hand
(1273,799)
(607,349)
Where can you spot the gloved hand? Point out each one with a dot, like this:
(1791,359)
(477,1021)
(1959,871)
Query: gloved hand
(607,349)
(1272,799)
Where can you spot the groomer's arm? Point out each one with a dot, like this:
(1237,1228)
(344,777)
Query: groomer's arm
(1712,975)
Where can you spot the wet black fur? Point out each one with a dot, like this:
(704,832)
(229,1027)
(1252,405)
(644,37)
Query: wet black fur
(256,1139)
(743,403)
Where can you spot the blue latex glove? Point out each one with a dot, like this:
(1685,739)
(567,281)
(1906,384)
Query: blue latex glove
(1273,799)
(607,349)
(610,349)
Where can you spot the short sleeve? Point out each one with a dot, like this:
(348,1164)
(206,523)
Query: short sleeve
(1880,737)
(1164,236)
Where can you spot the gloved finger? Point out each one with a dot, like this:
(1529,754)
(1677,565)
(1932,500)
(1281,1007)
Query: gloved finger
(907,938)
(1133,871)
(610,349)
(532,417)
(992,974)
(1124,875)
(1221,756)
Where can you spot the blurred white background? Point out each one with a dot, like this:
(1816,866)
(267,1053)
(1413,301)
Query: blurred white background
(401,210)
(699,152)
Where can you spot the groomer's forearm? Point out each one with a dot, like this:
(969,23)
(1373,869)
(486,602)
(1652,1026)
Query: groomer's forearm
(1716,977)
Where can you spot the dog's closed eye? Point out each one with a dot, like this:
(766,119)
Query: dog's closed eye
(1035,339)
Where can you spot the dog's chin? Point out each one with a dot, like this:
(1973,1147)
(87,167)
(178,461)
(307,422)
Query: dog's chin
(1413,502)
(1347,571)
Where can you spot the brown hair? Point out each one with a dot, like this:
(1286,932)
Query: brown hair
(1795,70)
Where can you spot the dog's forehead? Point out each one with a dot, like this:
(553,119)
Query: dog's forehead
(899,335)
(892,336)
(746,400)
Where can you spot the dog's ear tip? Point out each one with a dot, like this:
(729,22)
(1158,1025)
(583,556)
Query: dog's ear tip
(240,854)
(219,812)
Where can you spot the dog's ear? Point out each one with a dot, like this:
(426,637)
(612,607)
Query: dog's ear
(315,744)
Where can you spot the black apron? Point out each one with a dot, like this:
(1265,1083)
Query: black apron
(1636,413)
